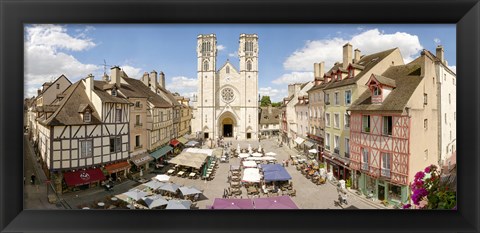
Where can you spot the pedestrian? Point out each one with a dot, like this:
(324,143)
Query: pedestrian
(32,178)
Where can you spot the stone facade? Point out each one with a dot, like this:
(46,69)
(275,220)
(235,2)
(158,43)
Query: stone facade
(227,101)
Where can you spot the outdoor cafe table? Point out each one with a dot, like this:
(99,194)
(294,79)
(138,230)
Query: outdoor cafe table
(252,190)
(171,171)
(114,199)
(192,174)
(235,178)
(180,173)
(101,204)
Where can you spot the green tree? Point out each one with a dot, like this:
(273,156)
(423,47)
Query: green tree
(278,104)
(265,101)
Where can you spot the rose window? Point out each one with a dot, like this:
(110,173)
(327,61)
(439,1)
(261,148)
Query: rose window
(227,95)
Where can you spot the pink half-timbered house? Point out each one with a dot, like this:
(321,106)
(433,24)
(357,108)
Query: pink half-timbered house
(393,130)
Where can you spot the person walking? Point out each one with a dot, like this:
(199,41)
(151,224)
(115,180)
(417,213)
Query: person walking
(32,178)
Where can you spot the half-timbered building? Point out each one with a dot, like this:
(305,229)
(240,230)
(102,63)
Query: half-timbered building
(393,129)
(84,133)
(345,82)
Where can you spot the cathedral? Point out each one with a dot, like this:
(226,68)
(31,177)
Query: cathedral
(227,101)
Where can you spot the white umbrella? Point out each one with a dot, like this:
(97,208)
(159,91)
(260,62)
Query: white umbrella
(313,151)
(154,184)
(256,154)
(136,194)
(189,191)
(155,201)
(179,204)
(259,147)
(271,154)
(169,187)
(243,155)
(249,147)
(162,177)
(238,148)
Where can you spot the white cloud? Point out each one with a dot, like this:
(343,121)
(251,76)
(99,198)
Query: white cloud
(234,54)
(183,85)
(294,77)
(437,41)
(453,68)
(371,41)
(275,94)
(221,47)
(46,56)
(132,72)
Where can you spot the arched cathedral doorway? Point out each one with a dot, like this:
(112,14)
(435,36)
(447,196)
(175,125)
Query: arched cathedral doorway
(227,127)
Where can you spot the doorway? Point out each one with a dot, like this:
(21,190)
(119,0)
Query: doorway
(249,135)
(205,135)
(228,130)
(381,193)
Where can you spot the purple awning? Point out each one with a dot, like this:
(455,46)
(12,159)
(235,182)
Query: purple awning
(221,203)
(281,202)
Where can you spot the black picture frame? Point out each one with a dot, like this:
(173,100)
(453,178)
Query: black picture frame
(465,14)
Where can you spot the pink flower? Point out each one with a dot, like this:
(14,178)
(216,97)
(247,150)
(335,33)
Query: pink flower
(419,175)
(427,169)
(407,206)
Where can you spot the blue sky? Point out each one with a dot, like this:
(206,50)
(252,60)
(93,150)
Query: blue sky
(286,52)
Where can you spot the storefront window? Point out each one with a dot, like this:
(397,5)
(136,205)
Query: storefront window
(395,192)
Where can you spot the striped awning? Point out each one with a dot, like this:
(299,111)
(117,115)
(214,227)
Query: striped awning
(183,140)
(299,140)
(161,152)
(307,143)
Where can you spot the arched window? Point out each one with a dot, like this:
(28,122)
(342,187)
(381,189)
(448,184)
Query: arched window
(249,46)
(208,47)
(249,65)
(205,65)
(377,91)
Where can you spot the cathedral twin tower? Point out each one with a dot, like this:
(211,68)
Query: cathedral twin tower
(226,104)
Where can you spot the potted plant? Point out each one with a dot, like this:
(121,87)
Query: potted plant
(367,129)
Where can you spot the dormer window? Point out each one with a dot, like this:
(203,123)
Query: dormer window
(87,116)
(377,91)
(114,92)
(339,76)
(351,73)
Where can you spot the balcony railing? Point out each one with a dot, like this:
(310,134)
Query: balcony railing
(336,151)
(385,172)
(365,166)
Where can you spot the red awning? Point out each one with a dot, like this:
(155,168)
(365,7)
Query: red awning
(174,142)
(82,177)
(116,167)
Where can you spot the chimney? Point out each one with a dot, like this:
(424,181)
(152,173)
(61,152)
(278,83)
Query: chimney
(162,80)
(347,55)
(115,76)
(440,53)
(39,92)
(89,86)
(319,70)
(153,80)
(357,56)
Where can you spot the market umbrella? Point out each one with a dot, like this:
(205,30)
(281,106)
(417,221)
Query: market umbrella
(189,191)
(271,154)
(154,201)
(259,147)
(162,177)
(256,154)
(243,155)
(136,194)
(221,203)
(238,148)
(313,151)
(169,187)
(179,204)
(154,184)
(281,202)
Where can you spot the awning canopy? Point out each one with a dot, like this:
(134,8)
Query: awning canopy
(174,142)
(191,143)
(299,140)
(249,163)
(251,175)
(161,152)
(280,202)
(208,152)
(275,172)
(178,204)
(141,159)
(116,167)
(307,143)
(82,177)
(187,159)
(221,203)
(183,140)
